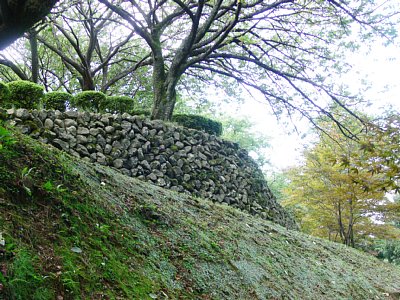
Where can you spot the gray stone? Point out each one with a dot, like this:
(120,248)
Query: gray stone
(71,130)
(94,131)
(101,158)
(202,156)
(145,131)
(177,136)
(59,122)
(101,140)
(43,140)
(81,139)
(82,150)
(118,163)
(177,171)
(198,163)
(109,129)
(132,151)
(42,115)
(105,120)
(22,114)
(71,114)
(152,132)
(50,135)
(83,118)
(107,149)
(125,143)
(180,163)
(180,145)
(146,147)
(158,125)
(82,131)
(115,153)
(59,115)
(117,145)
(99,149)
(155,165)
(152,177)
(145,164)
(125,125)
(70,122)
(61,144)
(169,142)
(193,141)
(24,129)
(135,128)
(133,162)
(95,124)
(161,182)
(48,124)
(140,154)
(74,153)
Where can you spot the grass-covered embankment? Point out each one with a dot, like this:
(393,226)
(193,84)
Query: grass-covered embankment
(74,230)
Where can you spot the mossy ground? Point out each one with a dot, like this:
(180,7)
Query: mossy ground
(74,230)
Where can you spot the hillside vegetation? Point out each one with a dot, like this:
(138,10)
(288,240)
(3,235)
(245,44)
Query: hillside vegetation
(74,230)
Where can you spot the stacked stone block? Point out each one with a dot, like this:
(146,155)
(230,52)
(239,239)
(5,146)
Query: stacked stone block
(173,157)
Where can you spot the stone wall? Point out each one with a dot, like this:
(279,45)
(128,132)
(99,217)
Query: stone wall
(177,158)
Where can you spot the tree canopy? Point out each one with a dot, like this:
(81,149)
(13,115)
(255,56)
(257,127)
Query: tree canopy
(286,50)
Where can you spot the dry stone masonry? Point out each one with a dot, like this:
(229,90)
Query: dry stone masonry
(177,158)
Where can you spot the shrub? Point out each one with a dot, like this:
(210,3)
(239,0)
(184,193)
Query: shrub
(140,112)
(57,100)
(117,104)
(89,100)
(199,123)
(389,250)
(25,94)
(4,94)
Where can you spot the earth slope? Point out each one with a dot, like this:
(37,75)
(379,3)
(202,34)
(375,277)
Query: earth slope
(73,230)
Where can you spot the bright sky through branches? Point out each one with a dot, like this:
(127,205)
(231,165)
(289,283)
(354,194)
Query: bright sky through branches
(376,72)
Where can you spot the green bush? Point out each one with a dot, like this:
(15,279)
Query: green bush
(89,100)
(199,123)
(25,94)
(389,250)
(4,94)
(117,104)
(140,112)
(57,100)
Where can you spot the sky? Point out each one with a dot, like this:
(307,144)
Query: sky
(380,68)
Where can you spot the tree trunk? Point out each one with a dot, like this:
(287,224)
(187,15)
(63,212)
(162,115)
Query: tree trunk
(164,101)
(164,86)
(33,42)
(87,82)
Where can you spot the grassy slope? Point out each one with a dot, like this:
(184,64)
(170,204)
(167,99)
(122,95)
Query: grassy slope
(139,241)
